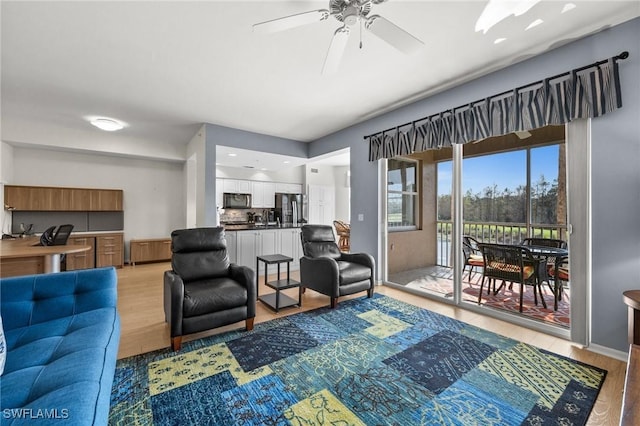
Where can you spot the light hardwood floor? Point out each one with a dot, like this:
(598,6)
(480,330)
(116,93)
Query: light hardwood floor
(140,294)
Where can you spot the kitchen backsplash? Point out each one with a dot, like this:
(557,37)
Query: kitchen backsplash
(240,215)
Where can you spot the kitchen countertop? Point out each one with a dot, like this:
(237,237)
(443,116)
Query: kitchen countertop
(256,226)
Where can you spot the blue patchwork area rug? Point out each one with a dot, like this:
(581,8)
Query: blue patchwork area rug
(373,361)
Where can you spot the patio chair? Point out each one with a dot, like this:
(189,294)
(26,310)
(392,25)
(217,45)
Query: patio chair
(560,273)
(510,263)
(472,255)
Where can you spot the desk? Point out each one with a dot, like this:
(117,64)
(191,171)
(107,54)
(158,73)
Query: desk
(547,252)
(22,257)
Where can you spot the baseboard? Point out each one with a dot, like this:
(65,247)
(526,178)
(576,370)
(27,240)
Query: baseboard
(611,353)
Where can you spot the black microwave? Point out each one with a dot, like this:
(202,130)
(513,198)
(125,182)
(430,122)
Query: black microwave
(236,201)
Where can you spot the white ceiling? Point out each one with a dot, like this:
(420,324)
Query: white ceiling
(166,67)
(244,158)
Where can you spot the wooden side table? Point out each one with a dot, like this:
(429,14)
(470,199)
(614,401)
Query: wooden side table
(632,299)
(275,300)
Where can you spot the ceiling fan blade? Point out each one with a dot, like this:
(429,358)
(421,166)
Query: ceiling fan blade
(393,34)
(336,49)
(291,21)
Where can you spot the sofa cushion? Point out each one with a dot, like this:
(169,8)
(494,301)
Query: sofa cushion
(61,361)
(200,300)
(351,272)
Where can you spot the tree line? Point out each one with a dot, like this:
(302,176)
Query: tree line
(495,204)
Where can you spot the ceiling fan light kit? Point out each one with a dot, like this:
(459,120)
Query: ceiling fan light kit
(349,13)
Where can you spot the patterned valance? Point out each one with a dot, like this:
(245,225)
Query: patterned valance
(586,92)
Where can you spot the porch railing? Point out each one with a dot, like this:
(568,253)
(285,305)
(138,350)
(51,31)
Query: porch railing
(494,232)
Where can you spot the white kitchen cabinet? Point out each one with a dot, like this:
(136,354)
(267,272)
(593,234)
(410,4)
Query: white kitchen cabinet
(230,186)
(219,192)
(244,187)
(251,244)
(236,186)
(321,201)
(289,188)
(247,248)
(269,190)
(263,195)
(257,195)
(290,245)
(232,245)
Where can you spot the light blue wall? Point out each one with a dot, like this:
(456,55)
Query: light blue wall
(615,169)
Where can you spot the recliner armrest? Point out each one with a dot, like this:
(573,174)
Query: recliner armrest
(173,299)
(362,258)
(246,277)
(321,274)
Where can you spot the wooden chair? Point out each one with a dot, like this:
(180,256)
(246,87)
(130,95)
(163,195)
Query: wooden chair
(510,263)
(344,234)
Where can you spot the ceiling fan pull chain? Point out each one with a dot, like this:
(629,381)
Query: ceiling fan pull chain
(360,33)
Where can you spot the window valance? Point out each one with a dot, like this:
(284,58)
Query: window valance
(585,92)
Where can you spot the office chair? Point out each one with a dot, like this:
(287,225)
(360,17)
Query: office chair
(62,235)
(46,239)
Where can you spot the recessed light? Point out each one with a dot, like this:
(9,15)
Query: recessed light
(534,24)
(286,162)
(107,124)
(499,40)
(567,7)
(231,154)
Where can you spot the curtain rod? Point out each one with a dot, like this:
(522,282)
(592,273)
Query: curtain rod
(622,56)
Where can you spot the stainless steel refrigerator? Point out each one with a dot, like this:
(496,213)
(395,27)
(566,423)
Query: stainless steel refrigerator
(289,208)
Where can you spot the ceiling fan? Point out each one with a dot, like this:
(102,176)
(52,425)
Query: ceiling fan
(349,13)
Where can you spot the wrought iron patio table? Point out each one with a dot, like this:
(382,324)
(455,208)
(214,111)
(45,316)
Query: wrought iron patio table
(544,253)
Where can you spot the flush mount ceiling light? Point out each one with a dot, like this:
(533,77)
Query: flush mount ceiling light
(107,124)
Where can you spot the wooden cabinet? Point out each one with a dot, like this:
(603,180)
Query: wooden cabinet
(106,250)
(106,200)
(28,197)
(236,186)
(109,250)
(150,250)
(44,198)
(84,260)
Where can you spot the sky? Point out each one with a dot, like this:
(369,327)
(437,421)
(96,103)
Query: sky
(507,170)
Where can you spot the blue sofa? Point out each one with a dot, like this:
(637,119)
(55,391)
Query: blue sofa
(62,333)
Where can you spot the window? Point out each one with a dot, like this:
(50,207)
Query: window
(402,195)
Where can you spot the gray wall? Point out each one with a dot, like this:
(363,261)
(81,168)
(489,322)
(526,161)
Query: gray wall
(615,171)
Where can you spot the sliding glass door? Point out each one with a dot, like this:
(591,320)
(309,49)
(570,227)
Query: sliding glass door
(508,188)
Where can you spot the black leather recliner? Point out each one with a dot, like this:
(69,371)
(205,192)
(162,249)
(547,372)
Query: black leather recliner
(204,290)
(327,270)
